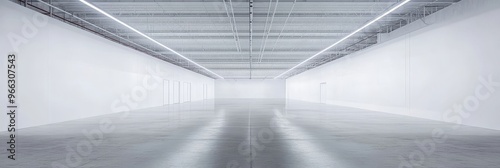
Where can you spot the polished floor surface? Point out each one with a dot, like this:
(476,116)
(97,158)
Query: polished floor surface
(260,133)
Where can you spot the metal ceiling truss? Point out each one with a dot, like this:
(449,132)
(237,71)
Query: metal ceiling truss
(418,13)
(240,38)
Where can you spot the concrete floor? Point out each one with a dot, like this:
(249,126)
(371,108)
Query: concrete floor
(254,133)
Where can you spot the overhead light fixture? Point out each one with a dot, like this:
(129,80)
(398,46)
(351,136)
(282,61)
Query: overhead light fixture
(147,37)
(346,37)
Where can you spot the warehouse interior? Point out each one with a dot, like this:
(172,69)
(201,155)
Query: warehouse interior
(250,83)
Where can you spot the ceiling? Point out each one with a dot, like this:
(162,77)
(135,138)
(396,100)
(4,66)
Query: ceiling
(217,34)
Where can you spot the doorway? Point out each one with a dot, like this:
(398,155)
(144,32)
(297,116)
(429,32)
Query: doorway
(176,90)
(166,92)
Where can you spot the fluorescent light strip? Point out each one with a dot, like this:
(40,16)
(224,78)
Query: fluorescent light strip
(144,35)
(346,37)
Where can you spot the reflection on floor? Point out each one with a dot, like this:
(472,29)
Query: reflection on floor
(261,133)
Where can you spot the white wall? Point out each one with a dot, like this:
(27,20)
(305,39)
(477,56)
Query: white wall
(250,88)
(66,73)
(425,73)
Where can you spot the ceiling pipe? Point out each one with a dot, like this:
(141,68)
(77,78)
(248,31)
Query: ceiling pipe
(250,17)
(232,27)
(235,25)
(283,28)
(263,46)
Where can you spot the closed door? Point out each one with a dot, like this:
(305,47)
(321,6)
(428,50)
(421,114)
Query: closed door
(181,97)
(322,91)
(186,91)
(166,92)
(189,92)
(176,91)
(183,92)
